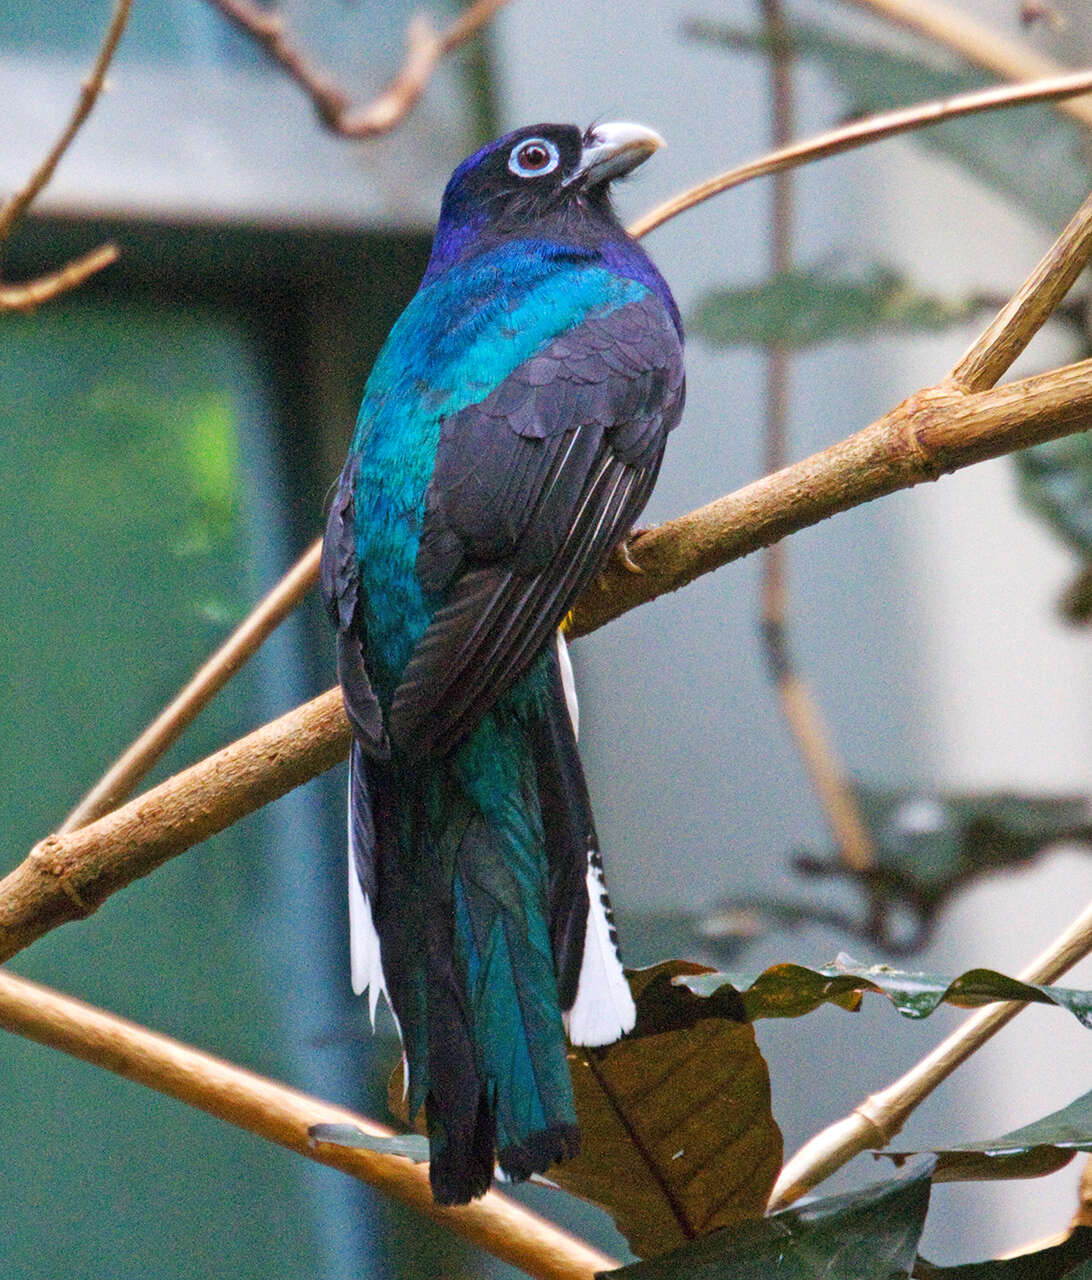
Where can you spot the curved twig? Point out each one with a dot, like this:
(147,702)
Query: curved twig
(21,296)
(425,47)
(871,129)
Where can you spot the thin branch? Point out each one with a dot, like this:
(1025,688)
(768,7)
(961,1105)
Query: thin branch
(425,48)
(284,1116)
(16,205)
(1014,326)
(871,129)
(798,704)
(123,776)
(941,429)
(32,293)
(976,43)
(29,294)
(876,1121)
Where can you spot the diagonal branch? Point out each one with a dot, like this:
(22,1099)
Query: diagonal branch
(282,1115)
(19,297)
(120,779)
(940,429)
(871,129)
(425,48)
(876,1121)
(976,43)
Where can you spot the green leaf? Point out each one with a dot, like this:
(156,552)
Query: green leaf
(411,1145)
(929,846)
(1029,1152)
(1056,483)
(677,1136)
(1028,154)
(791,990)
(866,1235)
(807,307)
(1059,1260)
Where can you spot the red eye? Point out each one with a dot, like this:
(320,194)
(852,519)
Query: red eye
(533,157)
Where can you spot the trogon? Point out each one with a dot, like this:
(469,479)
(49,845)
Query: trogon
(511,430)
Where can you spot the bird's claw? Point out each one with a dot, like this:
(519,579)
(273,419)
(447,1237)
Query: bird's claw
(622,553)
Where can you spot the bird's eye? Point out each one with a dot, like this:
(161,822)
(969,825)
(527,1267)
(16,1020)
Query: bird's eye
(533,157)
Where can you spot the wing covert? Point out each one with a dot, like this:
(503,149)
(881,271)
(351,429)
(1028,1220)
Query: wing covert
(339,583)
(531,489)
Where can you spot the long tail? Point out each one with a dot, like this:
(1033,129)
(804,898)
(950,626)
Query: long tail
(477,904)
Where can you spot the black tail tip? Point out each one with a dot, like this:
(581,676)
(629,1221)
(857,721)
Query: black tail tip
(458,1181)
(540,1150)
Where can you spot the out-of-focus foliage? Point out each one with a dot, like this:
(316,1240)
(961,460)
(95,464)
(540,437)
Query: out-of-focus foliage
(807,307)
(1029,155)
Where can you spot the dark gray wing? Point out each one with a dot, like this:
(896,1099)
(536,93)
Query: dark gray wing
(531,489)
(339,582)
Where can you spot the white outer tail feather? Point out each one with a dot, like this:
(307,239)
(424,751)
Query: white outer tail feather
(568,682)
(603,1010)
(365,955)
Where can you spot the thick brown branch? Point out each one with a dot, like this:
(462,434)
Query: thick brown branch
(934,431)
(425,47)
(66,877)
(937,430)
(284,1116)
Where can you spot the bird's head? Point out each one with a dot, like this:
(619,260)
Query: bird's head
(545,179)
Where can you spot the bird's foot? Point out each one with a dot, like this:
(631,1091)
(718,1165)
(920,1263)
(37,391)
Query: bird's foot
(622,552)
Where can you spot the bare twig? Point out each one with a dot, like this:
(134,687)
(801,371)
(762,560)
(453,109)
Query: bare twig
(1014,326)
(24,297)
(29,294)
(871,129)
(937,430)
(283,1115)
(127,771)
(876,1121)
(798,704)
(975,42)
(425,47)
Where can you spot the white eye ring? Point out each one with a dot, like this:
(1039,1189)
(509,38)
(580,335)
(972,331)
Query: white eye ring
(522,170)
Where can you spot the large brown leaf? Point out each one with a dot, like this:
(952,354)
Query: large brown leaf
(677,1136)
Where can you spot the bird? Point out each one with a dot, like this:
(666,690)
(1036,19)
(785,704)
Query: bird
(511,430)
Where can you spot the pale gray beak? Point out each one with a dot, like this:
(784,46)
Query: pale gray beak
(611,150)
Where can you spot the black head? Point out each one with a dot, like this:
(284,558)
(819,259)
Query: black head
(549,179)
